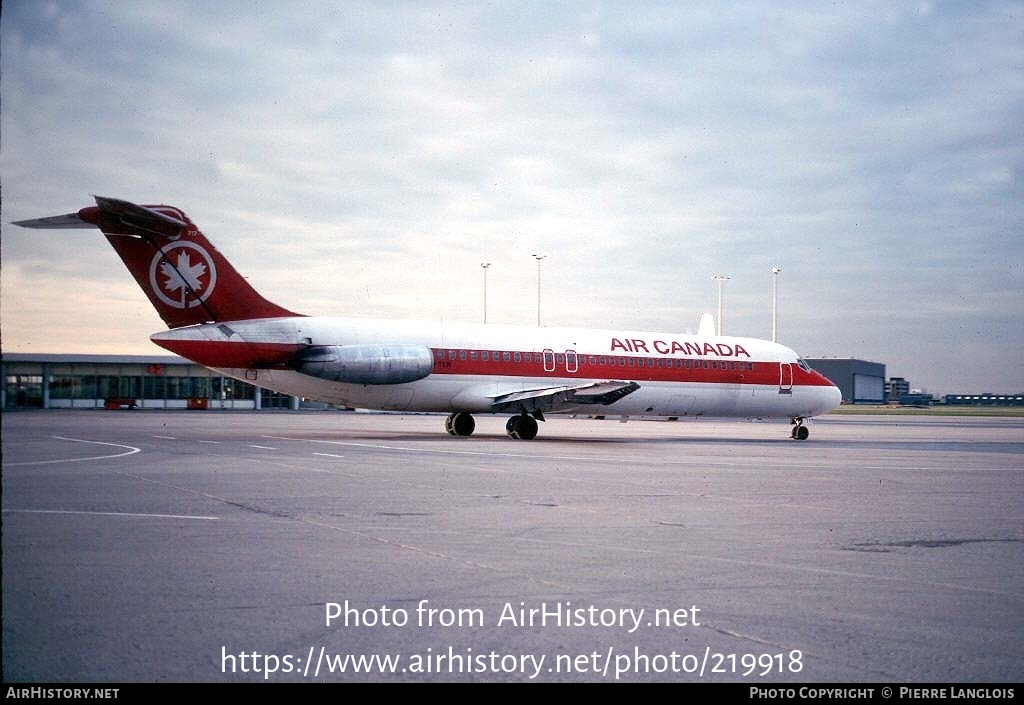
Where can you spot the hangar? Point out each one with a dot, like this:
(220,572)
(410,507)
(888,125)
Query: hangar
(860,381)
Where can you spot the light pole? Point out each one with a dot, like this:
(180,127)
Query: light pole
(538,258)
(485,265)
(775,292)
(721,279)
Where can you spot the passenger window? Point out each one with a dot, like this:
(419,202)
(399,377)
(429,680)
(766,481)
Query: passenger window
(451,354)
(472,354)
(462,354)
(517,357)
(485,356)
(506,356)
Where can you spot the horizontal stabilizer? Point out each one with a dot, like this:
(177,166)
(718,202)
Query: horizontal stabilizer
(114,212)
(56,222)
(141,216)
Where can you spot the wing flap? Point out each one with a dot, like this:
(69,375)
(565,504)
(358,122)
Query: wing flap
(604,392)
(564,396)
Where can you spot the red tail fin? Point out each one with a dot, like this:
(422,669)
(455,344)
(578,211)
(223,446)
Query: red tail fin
(185,277)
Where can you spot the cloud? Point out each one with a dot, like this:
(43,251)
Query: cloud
(872,150)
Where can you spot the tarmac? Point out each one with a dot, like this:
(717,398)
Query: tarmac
(201,546)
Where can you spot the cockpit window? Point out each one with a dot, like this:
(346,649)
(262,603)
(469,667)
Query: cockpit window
(803,364)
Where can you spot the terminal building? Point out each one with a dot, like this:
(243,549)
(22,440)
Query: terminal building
(126,381)
(986,399)
(896,389)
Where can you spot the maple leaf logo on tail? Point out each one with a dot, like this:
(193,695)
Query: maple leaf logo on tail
(183,267)
(183,277)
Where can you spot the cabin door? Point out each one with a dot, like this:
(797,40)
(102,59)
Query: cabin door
(785,378)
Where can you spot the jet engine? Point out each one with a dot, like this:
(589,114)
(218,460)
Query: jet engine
(366,364)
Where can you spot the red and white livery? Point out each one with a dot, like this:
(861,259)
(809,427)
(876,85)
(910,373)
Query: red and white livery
(218,320)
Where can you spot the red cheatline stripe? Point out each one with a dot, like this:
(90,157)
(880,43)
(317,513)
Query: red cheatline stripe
(454,361)
(629,368)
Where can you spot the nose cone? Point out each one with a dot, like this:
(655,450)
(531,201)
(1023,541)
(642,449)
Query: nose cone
(826,399)
(835,397)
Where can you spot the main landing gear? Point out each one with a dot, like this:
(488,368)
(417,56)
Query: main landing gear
(800,432)
(460,424)
(522,426)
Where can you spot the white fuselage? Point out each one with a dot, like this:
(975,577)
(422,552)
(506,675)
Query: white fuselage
(678,374)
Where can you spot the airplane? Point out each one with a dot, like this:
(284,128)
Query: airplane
(216,319)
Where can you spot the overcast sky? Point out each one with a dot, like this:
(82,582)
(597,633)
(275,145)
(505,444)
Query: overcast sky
(365,159)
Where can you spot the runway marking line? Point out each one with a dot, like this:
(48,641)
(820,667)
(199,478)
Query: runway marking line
(525,456)
(109,514)
(131,451)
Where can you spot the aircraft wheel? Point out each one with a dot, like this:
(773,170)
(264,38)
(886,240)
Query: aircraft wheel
(522,427)
(801,433)
(460,424)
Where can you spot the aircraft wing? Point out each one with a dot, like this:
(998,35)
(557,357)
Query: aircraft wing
(563,396)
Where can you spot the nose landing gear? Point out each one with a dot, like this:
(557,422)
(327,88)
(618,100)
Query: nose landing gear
(800,432)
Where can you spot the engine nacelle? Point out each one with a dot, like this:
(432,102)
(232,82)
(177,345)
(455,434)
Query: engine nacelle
(366,364)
